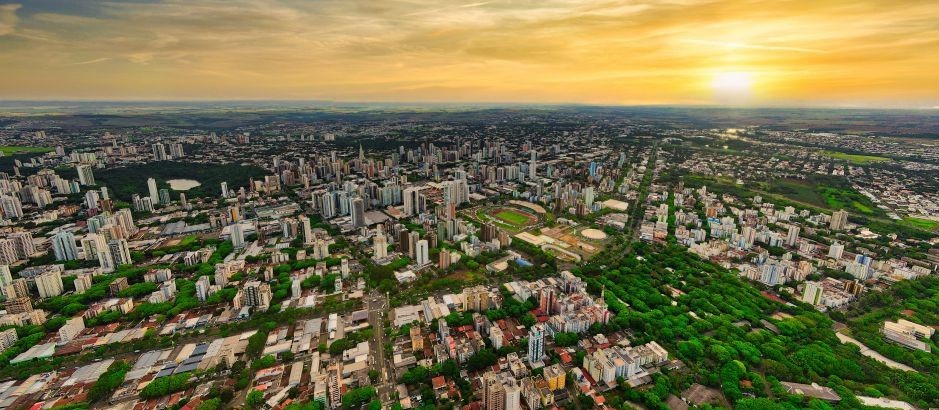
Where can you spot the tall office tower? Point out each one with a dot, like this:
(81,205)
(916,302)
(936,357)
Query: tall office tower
(224,189)
(532,166)
(836,250)
(535,343)
(493,392)
(63,246)
(120,252)
(11,206)
(403,237)
(85,175)
(237,236)
(423,252)
(307,229)
(105,194)
(358,212)
(159,152)
(154,193)
(380,245)
(49,284)
(792,236)
(410,197)
(838,220)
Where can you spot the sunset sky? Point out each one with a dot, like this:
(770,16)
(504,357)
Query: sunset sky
(759,52)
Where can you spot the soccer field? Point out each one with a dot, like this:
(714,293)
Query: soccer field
(512,217)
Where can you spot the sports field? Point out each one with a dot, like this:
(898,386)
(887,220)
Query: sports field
(512,217)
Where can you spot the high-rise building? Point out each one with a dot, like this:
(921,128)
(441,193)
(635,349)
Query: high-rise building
(357,206)
(256,293)
(6,278)
(444,259)
(839,219)
(493,392)
(307,229)
(813,293)
(422,253)
(476,298)
(73,327)
(49,284)
(836,250)
(63,246)
(225,190)
(792,236)
(11,206)
(82,283)
(237,236)
(120,252)
(380,245)
(85,174)
(18,304)
(7,338)
(154,193)
(536,344)
(23,244)
(159,152)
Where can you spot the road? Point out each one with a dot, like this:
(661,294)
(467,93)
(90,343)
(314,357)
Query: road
(377,308)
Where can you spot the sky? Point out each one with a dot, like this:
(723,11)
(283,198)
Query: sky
(857,53)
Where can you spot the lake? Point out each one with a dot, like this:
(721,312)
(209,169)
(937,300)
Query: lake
(182,184)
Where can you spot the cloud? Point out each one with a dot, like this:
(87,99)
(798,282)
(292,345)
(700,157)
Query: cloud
(652,51)
(8,18)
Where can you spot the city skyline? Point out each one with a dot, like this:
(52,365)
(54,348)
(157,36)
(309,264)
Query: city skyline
(839,54)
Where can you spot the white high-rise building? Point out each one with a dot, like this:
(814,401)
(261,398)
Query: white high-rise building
(307,230)
(85,175)
(154,193)
(380,245)
(813,293)
(63,246)
(836,250)
(536,344)
(224,189)
(72,328)
(792,236)
(49,284)
(422,252)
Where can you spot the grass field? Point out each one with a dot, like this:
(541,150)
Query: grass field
(512,217)
(920,223)
(14,149)
(856,158)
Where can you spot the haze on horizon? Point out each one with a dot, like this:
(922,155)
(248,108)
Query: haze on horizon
(862,53)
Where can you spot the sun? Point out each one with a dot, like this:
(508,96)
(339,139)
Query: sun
(732,87)
(732,82)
